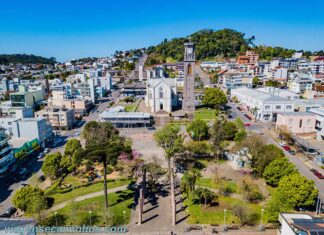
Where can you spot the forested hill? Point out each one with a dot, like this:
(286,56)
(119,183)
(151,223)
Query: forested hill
(225,43)
(209,43)
(25,59)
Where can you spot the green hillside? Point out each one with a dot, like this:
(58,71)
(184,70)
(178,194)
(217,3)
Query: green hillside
(25,59)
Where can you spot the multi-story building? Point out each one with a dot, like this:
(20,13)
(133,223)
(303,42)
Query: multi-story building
(26,98)
(319,125)
(60,118)
(6,154)
(233,80)
(28,128)
(263,106)
(300,85)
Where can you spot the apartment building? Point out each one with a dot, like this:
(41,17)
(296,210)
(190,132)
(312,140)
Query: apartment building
(234,80)
(263,106)
(59,118)
(300,85)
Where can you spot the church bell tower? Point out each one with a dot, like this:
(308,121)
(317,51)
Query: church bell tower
(189,78)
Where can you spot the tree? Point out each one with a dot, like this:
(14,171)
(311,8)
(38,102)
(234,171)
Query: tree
(52,165)
(154,172)
(171,141)
(250,190)
(218,135)
(272,83)
(198,147)
(244,216)
(230,130)
(277,169)
(267,154)
(198,129)
(256,82)
(103,144)
(214,98)
(71,147)
(205,195)
(298,191)
(25,197)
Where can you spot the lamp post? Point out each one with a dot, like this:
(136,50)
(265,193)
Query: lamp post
(124,212)
(262,211)
(55,213)
(225,229)
(90,216)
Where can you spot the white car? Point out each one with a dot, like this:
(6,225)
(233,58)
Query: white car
(47,150)
(282,143)
(41,155)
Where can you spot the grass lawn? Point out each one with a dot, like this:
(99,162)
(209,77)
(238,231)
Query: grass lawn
(209,183)
(205,114)
(77,213)
(215,214)
(75,181)
(61,197)
(130,108)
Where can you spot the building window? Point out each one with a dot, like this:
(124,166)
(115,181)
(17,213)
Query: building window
(189,69)
(278,107)
(161,92)
(288,107)
(300,123)
(267,107)
(309,121)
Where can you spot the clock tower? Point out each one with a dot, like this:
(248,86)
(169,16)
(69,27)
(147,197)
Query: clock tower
(189,78)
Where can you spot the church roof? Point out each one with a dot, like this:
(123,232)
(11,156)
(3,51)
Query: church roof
(153,82)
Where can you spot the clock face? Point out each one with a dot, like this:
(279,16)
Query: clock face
(189,50)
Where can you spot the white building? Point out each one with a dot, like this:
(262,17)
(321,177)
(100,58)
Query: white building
(262,105)
(279,92)
(161,94)
(299,85)
(302,224)
(233,80)
(6,154)
(319,126)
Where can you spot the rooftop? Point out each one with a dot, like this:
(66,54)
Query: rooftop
(260,95)
(107,114)
(297,114)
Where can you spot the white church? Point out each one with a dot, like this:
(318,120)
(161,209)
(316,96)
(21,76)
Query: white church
(161,94)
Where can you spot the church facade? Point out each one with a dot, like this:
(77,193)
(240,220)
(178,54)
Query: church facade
(161,94)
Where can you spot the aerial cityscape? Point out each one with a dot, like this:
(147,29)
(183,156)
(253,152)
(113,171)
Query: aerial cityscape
(126,121)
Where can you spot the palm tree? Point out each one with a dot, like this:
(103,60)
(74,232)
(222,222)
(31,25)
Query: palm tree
(171,141)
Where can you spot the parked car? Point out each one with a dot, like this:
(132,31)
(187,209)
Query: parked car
(10,211)
(42,178)
(41,155)
(282,143)
(22,171)
(47,150)
(286,147)
(292,152)
(318,175)
(247,124)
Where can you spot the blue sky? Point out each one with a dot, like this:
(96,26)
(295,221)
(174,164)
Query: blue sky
(68,29)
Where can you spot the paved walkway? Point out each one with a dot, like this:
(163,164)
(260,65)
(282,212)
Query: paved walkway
(87,196)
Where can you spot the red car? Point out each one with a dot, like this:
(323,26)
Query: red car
(247,124)
(287,148)
(318,175)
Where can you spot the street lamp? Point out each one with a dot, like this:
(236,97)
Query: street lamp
(262,211)
(90,216)
(55,213)
(124,212)
(225,229)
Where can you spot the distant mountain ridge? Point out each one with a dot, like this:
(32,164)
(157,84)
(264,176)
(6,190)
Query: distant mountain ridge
(25,59)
